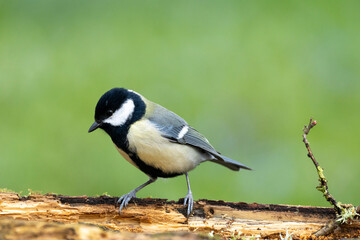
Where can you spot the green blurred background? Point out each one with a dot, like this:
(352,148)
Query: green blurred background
(247,74)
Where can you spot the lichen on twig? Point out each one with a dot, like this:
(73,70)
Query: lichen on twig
(344,212)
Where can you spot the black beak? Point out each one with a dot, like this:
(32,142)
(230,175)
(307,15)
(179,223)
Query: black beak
(94,126)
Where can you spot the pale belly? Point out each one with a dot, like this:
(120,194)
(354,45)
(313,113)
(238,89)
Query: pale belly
(158,152)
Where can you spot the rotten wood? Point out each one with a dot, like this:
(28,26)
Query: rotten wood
(11,229)
(156,216)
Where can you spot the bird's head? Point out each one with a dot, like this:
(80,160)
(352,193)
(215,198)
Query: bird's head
(118,107)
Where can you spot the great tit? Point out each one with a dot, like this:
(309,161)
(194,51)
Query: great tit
(154,139)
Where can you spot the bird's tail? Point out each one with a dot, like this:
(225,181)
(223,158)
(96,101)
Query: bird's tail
(229,163)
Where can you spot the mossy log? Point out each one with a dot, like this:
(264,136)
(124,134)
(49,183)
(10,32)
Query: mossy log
(50,216)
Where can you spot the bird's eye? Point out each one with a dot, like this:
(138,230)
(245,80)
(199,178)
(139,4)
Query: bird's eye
(109,112)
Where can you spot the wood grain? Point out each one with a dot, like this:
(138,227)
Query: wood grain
(154,216)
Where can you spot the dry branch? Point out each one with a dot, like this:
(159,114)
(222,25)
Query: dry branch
(345,212)
(155,216)
(323,187)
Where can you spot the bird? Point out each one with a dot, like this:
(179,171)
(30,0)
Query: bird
(154,139)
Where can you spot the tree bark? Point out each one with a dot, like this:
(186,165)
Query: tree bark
(98,217)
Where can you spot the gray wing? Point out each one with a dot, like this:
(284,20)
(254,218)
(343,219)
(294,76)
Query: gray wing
(178,130)
(196,139)
(172,125)
(167,122)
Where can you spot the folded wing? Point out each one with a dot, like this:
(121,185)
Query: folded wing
(177,130)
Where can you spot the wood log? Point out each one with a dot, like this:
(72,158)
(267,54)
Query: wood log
(150,217)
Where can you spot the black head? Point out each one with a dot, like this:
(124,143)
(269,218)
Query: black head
(118,107)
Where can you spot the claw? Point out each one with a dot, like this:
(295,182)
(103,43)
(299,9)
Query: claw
(125,199)
(190,202)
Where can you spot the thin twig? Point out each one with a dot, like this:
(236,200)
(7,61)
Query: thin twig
(328,228)
(323,187)
(344,211)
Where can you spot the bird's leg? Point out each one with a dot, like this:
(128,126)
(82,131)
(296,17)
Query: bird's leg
(125,199)
(189,198)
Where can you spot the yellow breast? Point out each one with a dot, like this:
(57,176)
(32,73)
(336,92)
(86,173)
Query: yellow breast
(153,149)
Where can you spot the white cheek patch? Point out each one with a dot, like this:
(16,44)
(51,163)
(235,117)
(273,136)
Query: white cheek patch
(121,115)
(183,131)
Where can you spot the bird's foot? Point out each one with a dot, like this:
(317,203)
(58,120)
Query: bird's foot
(190,202)
(125,199)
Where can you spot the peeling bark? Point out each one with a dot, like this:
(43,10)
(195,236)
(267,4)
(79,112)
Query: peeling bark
(155,216)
